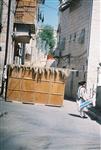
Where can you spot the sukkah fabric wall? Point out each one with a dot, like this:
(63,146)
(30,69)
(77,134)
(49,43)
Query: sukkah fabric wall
(36,85)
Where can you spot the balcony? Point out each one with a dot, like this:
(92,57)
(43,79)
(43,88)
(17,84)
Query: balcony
(26,11)
(64,4)
(27,3)
(23,32)
(26,17)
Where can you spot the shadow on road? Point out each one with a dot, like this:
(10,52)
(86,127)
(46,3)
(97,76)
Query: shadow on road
(75,115)
(92,117)
(69,99)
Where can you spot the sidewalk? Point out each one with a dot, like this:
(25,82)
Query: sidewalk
(95,113)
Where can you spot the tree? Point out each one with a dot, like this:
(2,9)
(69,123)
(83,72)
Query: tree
(47,34)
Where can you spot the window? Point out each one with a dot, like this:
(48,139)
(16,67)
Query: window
(77,73)
(83,67)
(84,76)
(81,38)
(74,4)
(74,39)
(62,44)
(70,38)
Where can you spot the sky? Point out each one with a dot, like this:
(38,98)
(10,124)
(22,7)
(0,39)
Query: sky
(50,10)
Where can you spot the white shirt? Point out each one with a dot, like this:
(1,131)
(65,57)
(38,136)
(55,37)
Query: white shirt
(82,92)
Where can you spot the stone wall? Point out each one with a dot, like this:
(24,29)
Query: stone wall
(75,28)
(81,30)
(73,24)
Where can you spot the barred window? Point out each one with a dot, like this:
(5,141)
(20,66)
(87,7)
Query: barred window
(77,73)
(81,38)
(62,44)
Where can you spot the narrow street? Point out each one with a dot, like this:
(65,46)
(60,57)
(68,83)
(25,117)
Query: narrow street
(40,127)
(49,49)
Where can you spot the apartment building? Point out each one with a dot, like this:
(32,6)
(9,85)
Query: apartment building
(18,23)
(79,42)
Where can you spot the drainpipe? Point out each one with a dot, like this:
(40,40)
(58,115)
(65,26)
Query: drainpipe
(6,48)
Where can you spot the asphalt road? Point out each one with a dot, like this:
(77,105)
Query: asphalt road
(39,127)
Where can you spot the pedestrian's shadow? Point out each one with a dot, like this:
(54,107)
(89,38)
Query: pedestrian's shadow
(75,115)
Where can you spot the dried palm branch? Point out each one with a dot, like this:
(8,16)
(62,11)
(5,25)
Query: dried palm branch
(55,73)
(10,69)
(33,73)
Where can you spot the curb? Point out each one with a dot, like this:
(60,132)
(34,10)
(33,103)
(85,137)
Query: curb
(95,114)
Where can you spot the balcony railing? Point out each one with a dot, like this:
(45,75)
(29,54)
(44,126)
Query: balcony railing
(64,4)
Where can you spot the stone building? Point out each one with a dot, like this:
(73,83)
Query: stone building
(79,43)
(18,25)
(25,27)
(6,24)
(3,28)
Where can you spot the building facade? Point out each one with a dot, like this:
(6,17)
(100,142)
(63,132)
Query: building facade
(79,42)
(25,30)
(18,25)
(7,10)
